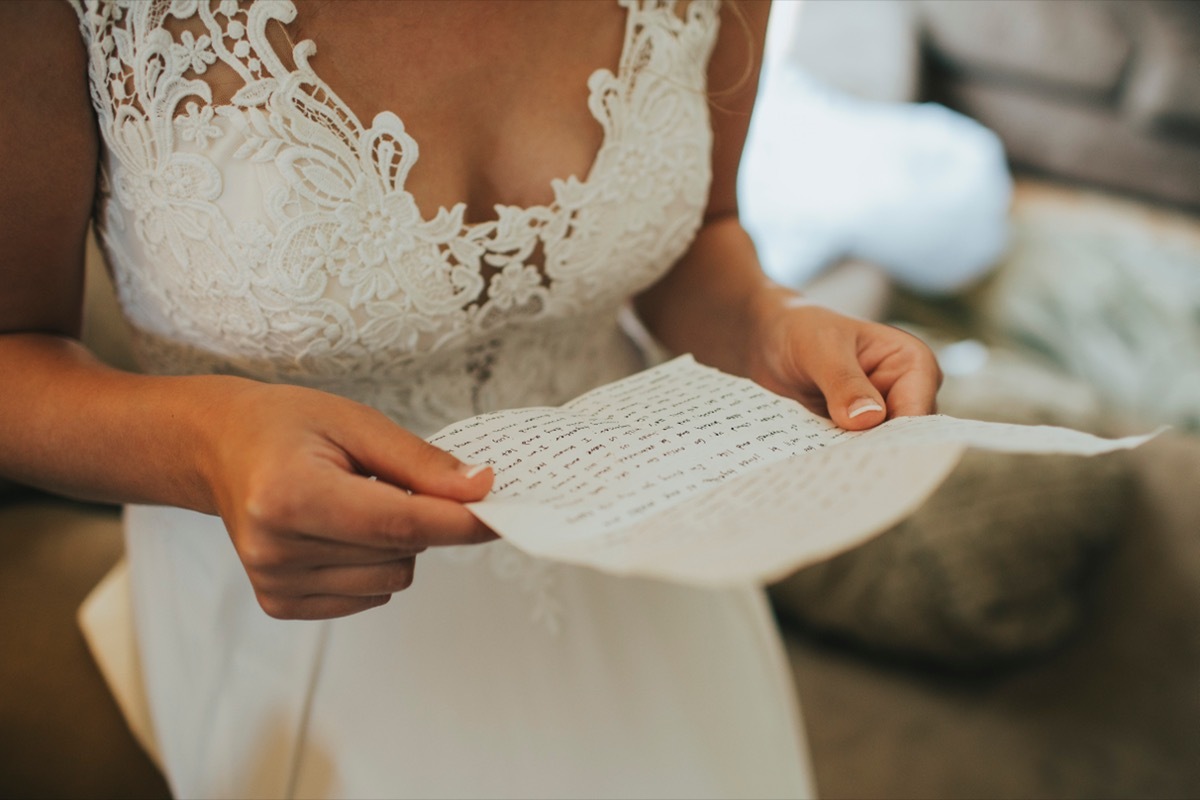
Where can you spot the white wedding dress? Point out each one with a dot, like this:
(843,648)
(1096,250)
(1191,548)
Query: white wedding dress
(268,233)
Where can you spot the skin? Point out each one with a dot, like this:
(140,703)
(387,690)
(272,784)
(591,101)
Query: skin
(285,467)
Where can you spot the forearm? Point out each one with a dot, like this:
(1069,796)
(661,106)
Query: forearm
(72,425)
(711,300)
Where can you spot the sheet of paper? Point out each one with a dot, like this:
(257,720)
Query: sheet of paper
(685,473)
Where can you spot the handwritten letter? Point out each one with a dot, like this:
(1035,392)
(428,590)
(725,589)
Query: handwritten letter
(685,473)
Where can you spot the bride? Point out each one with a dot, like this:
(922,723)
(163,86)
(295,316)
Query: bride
(335,228)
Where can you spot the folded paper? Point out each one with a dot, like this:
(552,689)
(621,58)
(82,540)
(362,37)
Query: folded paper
(685,473)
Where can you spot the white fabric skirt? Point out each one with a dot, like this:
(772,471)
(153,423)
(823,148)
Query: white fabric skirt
(494,675)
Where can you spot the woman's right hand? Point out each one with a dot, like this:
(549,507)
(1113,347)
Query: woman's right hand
(287,468)
(328,502)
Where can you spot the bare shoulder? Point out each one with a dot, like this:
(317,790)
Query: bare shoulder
(733,85)
(43,65)
(48,147)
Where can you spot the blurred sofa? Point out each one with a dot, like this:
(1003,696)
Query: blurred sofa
(1105,92)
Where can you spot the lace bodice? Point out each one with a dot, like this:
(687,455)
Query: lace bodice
(271,234)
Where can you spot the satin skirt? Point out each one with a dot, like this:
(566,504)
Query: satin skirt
(494,675)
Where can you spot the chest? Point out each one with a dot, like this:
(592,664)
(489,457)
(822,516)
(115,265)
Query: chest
(495,92)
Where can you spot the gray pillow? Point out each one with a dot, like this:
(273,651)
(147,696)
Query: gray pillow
(993,567)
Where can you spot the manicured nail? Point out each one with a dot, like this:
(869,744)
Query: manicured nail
(470,471)
(862,405)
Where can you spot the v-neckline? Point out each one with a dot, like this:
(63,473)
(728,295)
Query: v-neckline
(546,210)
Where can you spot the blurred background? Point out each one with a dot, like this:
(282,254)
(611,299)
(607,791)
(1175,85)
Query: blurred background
(1016,181)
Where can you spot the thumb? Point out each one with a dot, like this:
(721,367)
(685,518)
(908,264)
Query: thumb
(390,453)
(852,400)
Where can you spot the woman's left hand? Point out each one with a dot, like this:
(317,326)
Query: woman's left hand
(855,372)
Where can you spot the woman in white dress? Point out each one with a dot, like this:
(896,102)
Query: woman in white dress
(308,298)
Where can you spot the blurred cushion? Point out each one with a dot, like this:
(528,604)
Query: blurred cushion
(993,567)
(1107,290)
(918,189)
(1074,47)
(1163,87)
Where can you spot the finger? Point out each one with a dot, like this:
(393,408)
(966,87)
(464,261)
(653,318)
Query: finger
(904,369)
(285,553)
(914,393)
(369,581)
(342,507)
(394,455)
(852,400)
(351,581)
(908,375)
(317,606)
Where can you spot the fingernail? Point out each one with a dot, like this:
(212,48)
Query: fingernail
(471,470)
(862,405)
